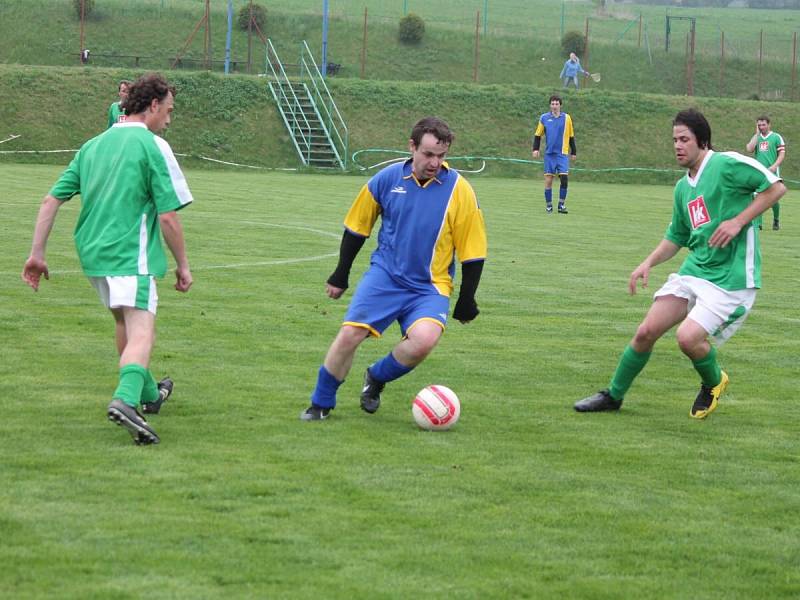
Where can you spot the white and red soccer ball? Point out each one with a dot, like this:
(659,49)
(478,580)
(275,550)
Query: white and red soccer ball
(436,408)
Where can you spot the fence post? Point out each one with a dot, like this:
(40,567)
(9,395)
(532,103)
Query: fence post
(640,30)
(722,63)
(586,49)
(477,46)
(760,59)
(690,74)
(794,64)
(364,45)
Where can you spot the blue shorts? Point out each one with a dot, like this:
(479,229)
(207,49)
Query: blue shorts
(379,301)
(555,164)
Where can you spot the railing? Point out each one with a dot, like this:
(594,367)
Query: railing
(288,103)
(330,117)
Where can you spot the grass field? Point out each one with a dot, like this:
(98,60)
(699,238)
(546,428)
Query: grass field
(522,499)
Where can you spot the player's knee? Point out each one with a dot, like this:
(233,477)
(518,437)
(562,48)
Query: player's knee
(688,340)
(350,337)
(645,337)
(564,181)
(423,338)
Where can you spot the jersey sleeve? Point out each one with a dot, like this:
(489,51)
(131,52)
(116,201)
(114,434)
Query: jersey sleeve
(748,174)
(539,128)
(168,184)
(69,183)
(469,229)
(678,230)
(569,135)
(363,212)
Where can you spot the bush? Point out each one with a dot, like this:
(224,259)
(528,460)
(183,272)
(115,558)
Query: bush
(88,7)
(259,16)
(573,41)
(412,28)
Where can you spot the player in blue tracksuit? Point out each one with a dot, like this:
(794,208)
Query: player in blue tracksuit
(560,147)
(429,215)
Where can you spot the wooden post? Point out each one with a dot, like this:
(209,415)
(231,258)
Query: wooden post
(760,59)
(722,64)
(690,76)
(207,41)
(477,46)
(250,40)
(794,64)
(640,30)
(364,46)
(80,54)
(586,49)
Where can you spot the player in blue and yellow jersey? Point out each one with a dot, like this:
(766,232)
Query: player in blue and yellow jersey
(559,148)
(429,216)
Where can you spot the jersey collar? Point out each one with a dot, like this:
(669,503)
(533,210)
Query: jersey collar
(693,181)
(440,178)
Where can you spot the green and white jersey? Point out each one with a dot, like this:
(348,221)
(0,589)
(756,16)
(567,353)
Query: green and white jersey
(768,147)
(126,177)
(723,187)
(115,114)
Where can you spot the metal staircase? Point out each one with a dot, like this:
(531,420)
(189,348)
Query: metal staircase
(317,129)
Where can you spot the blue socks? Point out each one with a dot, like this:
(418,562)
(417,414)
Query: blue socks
(548,196)
(324,394)
(388,369)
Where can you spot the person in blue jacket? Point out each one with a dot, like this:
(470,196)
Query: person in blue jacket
(572,68)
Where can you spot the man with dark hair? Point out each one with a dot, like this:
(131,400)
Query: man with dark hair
(770,151)
(429,214)
(714,289)
(559,149)
(131,188)
(116,112)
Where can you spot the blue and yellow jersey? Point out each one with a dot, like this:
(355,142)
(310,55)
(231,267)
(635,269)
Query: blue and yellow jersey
(557,131)
(423,226)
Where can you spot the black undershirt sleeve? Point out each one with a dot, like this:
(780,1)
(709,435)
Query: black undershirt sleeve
(348,250)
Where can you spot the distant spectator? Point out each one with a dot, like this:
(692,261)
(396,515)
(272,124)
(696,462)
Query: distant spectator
(84,56)
(116,112)
(572,68)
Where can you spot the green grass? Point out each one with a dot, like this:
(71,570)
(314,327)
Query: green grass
(519,35)
(522,499)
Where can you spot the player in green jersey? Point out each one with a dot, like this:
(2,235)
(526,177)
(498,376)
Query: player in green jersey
(714,289)
(116,113)
(131,188)
(770,150)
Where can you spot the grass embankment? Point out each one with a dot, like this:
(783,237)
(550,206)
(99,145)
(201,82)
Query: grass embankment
(233,118)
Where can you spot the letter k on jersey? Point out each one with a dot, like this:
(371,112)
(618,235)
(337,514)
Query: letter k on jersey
(698,212)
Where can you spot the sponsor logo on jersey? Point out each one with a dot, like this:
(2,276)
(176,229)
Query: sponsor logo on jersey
(763,146)
(698,213)
(398,189)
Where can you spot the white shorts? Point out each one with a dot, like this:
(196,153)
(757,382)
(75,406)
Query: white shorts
(136,291)
(720,312)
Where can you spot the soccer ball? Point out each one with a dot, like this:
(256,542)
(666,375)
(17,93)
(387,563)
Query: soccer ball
(436,408)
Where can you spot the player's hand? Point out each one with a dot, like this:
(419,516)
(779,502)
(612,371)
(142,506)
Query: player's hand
(641,272)
(723,234)
(466,310)
(535,154)
(183,279)
(33,270)
(333,291)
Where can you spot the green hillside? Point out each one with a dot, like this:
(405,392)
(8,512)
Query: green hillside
(233,118)
(511,47)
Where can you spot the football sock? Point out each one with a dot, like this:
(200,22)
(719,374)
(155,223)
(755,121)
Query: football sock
(630,365)
(150,387)
(548,196)
(776,211)
(388,369)
(131,382)
(562,194)
(708,368)
(324,394)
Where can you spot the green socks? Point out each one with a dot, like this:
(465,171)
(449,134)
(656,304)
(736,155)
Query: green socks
(630,365)
(708,368)
(136,385)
